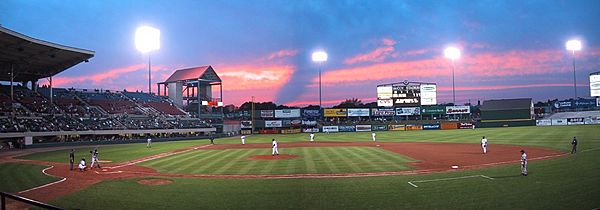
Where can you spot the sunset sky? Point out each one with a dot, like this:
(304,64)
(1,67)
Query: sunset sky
(262,48)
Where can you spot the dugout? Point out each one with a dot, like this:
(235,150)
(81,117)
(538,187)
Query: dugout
(507,113)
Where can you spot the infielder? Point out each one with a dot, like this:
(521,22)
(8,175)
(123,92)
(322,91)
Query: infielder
(312,137)
(82,164)
(574,143)
(275,151)
(373,135)
(523,163)
(484,143)
(72,158)
(149,144)
(243,139)
(95,158)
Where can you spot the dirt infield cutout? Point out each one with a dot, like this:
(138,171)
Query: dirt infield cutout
(154,181)
(273,157)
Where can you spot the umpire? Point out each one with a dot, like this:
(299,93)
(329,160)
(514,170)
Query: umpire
(72,158)
(574,143)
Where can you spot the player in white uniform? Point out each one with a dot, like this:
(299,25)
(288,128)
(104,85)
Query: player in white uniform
(312,137)
(275,151)
(149,144)
(82,165)
(484,144)
(373,135)
(523,163)
(95,158)
(243,139)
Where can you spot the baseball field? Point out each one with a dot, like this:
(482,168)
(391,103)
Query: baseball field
(401,170)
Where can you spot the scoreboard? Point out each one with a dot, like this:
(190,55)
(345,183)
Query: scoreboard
(406,94)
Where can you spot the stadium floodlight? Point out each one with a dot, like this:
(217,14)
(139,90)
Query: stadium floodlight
(574,45)
(319,57)
(452,53)
(147,39)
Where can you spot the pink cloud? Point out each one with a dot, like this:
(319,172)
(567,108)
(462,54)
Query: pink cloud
(282,53)
(377,55)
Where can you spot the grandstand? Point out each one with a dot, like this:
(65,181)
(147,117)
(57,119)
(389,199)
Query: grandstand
(567,115)
(29,113)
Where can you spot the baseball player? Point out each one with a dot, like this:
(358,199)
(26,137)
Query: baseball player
(72,158)
(373,135)
(243,139)
(523,163)
(95,158)
(275,151)
(574,143)
(149,144)
(484,144)
(82,164)
(312,137)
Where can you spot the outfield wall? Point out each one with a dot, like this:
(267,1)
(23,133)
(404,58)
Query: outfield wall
(568,121)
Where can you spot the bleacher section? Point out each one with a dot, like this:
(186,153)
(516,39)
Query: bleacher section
(567,115)
(82,110)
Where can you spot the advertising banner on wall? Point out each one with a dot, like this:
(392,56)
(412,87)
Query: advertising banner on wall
(407,111)
(458,109)
(414,127)
(273,123)
(309,122)
(358,112)
(363,128)
(563,104)
(310,130)
(575,121)
(591,120)
(330,129)
(266,114)
(544,122)
(296,122)
(595,85)
(431,126)
(335,112)
(379,127)
(287,113)
(397,127)
(311,113)
(433,110)
(428,95)
(383,112)
(384,92)
(559,121)
(246,124)
(385,102)
(465,125)
(346,128)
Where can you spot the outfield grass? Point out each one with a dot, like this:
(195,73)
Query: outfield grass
(114,153)
(556,137)
(563,183)
(311,160)
(17,177)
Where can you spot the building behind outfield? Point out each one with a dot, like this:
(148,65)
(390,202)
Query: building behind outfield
(507,113)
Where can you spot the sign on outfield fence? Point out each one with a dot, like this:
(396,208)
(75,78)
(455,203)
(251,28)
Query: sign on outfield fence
(330,129)
(361,128)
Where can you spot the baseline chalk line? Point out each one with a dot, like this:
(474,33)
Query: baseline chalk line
(412,183)
(46,185)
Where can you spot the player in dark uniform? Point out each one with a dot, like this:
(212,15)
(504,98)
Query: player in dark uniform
(72,158)
(574,143)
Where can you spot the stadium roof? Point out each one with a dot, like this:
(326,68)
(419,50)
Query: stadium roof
(33,59)
(202,73)
(507,104)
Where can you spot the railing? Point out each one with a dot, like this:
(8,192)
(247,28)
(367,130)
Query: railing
(4,195)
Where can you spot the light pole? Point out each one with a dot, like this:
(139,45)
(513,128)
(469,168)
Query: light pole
(319,57)
(147,39)
(452,53)
(574,45)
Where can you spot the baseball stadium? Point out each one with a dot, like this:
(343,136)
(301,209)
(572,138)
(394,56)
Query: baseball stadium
(207,134)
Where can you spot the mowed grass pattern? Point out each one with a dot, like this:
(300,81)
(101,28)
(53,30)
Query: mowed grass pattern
(321,160)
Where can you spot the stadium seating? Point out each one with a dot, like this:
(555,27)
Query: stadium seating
(566,115)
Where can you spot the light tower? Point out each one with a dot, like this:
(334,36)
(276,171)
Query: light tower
(574,45)
(452,53)
(319,57)
(147,39)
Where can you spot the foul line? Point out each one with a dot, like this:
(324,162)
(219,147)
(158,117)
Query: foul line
(46,185)
(412,183)
(162,155)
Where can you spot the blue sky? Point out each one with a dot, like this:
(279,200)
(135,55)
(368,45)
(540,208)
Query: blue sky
(262,48)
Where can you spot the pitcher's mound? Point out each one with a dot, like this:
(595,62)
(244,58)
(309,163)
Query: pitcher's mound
(155,181)
(271,157)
